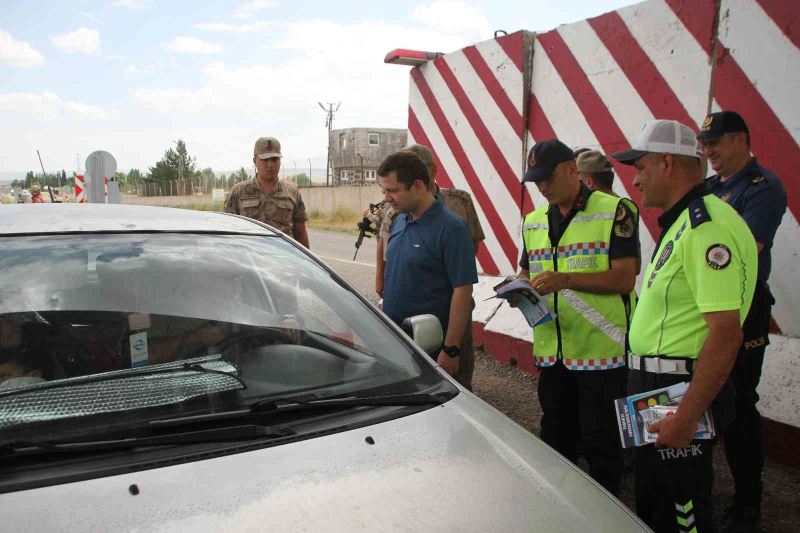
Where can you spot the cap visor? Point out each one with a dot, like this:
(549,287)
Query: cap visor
(538,174)
(269,155)
(708,136)
(628,157)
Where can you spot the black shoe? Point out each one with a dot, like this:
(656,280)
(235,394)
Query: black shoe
(741,519)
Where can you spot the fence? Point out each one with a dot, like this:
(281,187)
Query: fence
(318,198)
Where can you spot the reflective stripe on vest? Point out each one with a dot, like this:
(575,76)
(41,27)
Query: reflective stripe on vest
(592,326)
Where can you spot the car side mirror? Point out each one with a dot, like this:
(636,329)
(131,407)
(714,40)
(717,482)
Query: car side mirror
(426,330)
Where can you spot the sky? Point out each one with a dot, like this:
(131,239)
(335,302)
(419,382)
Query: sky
(132,76)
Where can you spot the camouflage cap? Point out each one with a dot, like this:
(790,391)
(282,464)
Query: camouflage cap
(593,162)
(267,148)
(423,152)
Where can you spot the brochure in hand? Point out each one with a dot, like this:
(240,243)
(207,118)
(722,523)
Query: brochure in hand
(532,304)
(635,414)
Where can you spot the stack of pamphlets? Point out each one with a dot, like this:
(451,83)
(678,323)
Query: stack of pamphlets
(637,412)
(532,304)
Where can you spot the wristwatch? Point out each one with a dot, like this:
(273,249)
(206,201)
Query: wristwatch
(452,351)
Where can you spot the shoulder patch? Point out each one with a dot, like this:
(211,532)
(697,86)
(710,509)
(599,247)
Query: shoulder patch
(718,256)
(758,179)
(698,214)
(624,223)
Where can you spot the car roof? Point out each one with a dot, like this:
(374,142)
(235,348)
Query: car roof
(70,218)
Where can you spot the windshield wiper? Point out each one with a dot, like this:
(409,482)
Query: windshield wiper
(222,434)
(213,364)
(269,406)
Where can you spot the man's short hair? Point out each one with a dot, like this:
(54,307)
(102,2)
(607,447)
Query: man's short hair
(604,179)
(408,167)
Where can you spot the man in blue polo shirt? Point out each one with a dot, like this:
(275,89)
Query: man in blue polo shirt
(759,197)
(430,261)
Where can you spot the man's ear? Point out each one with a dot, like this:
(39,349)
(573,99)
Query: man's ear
(34,373)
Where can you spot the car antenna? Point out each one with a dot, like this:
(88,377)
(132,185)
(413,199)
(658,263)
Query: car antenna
(44,176)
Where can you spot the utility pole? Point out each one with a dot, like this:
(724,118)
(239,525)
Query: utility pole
(329,124)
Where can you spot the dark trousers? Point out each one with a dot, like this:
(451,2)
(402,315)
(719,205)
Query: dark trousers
(577,409)
(744,447)
(673,485)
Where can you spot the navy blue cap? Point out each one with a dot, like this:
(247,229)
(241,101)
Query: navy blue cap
(544,157)
(716,124)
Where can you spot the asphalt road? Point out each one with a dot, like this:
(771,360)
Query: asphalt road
(337,249)
(513,393)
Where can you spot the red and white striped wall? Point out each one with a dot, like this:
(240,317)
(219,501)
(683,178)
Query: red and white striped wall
(594,83)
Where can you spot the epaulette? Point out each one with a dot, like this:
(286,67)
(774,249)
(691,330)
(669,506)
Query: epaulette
(758,179)
(698,214)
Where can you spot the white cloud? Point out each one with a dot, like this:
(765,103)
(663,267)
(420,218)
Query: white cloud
(90,111)
(249,9)
(247,27)
(191,45)
(47,106)
(132,4)
(40,106)
(319,60)
(453,16)
(18,53)
(83,41)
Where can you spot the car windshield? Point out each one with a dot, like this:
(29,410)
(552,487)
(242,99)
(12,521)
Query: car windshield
(127,328)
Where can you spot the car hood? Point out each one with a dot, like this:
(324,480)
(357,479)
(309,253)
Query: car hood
(461,466)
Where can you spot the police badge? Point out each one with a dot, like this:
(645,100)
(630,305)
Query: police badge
(718,256)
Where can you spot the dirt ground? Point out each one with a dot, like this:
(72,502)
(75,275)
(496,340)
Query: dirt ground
(513,392)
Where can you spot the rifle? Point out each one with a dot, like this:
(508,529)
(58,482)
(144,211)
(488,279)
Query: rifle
(365,226)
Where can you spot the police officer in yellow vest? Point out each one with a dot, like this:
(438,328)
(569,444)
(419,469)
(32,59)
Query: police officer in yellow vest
(581,251)
(696,292)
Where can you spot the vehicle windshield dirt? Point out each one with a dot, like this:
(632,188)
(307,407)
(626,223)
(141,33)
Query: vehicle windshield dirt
(145,326)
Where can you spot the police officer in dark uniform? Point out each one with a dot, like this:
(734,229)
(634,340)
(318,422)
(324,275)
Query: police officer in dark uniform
(758,196)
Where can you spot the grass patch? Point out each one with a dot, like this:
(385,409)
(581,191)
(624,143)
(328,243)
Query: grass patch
(340,219)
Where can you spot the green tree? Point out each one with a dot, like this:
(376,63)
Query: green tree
(122,179)
(176,164)
(302,179)
(207,179)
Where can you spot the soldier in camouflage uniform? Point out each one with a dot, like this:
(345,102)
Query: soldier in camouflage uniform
(268,199)
(460,202)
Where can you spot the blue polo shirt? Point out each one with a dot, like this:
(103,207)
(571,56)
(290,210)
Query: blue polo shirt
(759,197)
(425,260)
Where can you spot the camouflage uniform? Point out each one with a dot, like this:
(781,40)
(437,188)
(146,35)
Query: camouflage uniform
(281,208)
(460,203)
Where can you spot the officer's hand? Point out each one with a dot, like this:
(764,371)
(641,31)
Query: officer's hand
(673,432)
(365,212)
(449,364)
(549,282)
(512,302)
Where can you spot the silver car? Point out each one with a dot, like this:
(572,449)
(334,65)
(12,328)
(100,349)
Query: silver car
(181,370)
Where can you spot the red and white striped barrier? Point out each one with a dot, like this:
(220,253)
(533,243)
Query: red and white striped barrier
(80,190)
(594,83)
